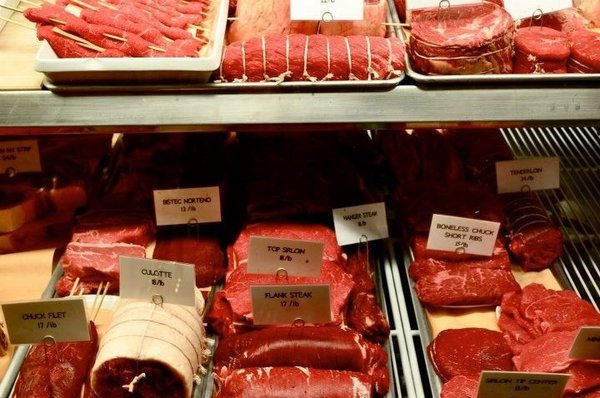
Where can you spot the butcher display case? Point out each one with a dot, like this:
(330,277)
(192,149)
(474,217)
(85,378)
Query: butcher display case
(548,118)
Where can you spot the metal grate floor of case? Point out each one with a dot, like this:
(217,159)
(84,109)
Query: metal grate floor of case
(575,207)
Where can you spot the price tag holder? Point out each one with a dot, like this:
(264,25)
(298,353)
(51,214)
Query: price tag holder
(142,278)
(19,157)
(586,344)
(32,322)
(297,257)
(185,206)
(462,235)
(520,9)
(285,304)
(528,175)
(326,10)
(353,224)
(495,384)
(416,4)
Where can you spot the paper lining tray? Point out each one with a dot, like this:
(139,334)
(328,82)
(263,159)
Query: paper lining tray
(70,72)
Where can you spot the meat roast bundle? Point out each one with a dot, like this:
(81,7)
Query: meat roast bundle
(151,350)
(329,357)
(300,57)
(462,39)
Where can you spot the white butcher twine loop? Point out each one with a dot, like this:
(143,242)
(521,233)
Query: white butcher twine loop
(264,58)
(329,75)
(305,73)
(221,66)
(131,386)
(371,73)
(281,274)
(244,76)
(351,75)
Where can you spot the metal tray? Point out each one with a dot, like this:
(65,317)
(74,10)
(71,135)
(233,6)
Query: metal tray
(151,85)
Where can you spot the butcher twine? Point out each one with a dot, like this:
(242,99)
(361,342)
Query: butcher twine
(329,75)
(305,72)
(351,76)
(370,71)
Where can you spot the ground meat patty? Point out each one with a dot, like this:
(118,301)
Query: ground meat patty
(468,351)
(585,49)
(541,50)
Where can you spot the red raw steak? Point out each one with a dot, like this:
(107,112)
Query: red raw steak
(468,351)
(294,381)
(460,387)
(205,254)
(114,227)
(458,287)
(97,259)
(429,266)
(541,50)
(420,251)
(585,49)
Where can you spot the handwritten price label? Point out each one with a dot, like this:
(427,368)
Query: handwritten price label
(354,224)
(185,206)
(19,157)
(528,174)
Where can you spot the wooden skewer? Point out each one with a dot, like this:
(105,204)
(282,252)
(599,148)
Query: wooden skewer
(102,296)
(15,9)
(31,3)
(21,24)
(85,5)
(403,25)
(72,292)
(119,38)
(78,39)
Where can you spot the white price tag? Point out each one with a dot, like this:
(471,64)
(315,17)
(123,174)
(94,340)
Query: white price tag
(295,257)
(520,9)
(528,175)
(586,344)
(462,235)
(496,384)
(32,322)
(354,224)
(326,10)
(285,304)
(416,4)
(146,279)
(185,206)
(19,157)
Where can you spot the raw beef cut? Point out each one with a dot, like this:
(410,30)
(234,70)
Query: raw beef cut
(288,382)
(236,294)
(550,353)
(536,311)
(585,51)
(366,317)
(298,57)
(420,252)
(429,266)
(468,352)
(286,230)
(265,17)
(568,20)
(460,387)
(373,22)
(106,226)
(541,50)
(326,347)
(102,259)
(152,350)
(58,370)
(534,241)
(458,287)
(462,39)
(204,253)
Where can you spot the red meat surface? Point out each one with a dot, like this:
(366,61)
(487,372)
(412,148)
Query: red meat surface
(429,266)
(366,317)
(420,251)
(59,370)
(293,381)
(205,254)
(114,227)
(545,44)
(299,57)
(97,259)
(457,287)
(585,49)
(460,387)
(468,351)
(313,347)
(534,241)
